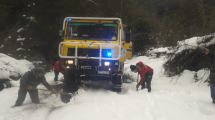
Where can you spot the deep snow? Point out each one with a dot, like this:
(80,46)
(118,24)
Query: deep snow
(172,98)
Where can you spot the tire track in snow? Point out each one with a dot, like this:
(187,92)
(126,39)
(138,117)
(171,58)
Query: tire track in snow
(148,111)
(150,106)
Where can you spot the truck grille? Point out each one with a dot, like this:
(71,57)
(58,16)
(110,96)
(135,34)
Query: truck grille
(83,52)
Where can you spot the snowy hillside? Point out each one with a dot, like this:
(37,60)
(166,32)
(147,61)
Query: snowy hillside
(172,98)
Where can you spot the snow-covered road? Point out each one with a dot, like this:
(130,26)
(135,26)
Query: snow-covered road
(172,98)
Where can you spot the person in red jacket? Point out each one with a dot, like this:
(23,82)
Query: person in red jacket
(146,74)
(59,67)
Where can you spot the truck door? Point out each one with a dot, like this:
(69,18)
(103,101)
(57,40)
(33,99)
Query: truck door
(128,43)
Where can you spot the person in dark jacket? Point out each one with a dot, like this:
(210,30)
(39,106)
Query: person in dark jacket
(212,74)
(146,74)
(59,67)
(29,82)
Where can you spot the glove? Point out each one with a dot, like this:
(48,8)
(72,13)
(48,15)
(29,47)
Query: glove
(207,51)
(137,86)
(63,72)
(30,87)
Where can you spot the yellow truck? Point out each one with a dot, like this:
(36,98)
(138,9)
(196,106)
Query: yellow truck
(94,48)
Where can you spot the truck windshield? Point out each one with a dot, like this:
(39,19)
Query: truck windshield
(92,31)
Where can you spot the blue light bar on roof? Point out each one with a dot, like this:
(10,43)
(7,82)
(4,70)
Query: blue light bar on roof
(69,19)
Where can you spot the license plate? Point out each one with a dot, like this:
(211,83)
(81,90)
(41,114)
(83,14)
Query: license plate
(85,67)
(103,72)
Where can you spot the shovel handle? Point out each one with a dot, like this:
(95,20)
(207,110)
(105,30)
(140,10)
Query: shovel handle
(137,80)
(55,91)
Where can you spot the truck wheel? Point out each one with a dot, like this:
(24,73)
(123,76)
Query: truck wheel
(117,82)
(70,85)
(65,98)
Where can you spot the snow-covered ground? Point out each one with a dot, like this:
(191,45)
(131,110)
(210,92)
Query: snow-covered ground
(172,98)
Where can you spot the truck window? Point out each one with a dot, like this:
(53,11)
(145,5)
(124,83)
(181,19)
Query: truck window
(124,32)
(123,35)
(92,31)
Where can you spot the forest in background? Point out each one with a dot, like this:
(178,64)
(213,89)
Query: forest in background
(29,28)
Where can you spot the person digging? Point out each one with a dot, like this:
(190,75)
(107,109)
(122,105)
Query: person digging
(59,67)
(29,82)
(212,73)
(146,74)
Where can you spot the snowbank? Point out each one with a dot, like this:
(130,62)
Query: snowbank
(12,67)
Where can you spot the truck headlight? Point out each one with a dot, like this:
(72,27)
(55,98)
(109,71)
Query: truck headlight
(107,63)
(70,61)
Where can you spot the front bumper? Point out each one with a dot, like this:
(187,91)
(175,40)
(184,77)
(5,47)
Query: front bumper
(91,67)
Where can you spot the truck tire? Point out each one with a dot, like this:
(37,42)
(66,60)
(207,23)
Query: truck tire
(117,79)
(71,85)
(65,98)
(117,82)
(68,87)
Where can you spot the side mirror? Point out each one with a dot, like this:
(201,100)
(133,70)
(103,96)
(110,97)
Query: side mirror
(61,32)
(128,34)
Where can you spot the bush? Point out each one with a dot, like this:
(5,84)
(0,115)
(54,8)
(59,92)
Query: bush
(190,57)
